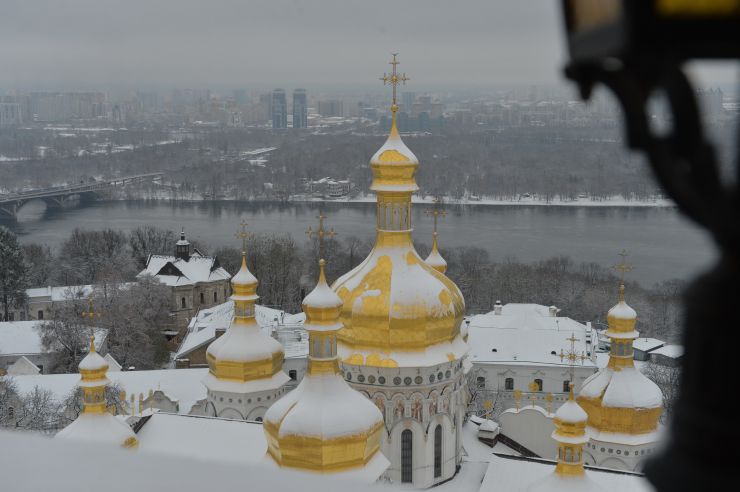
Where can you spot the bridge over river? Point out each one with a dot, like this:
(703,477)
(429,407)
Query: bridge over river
(56,197)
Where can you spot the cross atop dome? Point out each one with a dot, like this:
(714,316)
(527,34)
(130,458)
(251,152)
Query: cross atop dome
(394,79)
(623,267)
(243,235)
(320,233)
(436,211)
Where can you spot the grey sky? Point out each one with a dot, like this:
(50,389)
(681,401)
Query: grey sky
(47,43)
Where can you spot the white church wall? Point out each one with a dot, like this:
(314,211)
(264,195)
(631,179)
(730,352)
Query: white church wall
(532,428)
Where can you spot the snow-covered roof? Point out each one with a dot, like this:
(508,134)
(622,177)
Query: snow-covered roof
(624,388)
(63,293)
(113,365)
(218,440)
(525,334)
(22,366)
(203,326)
(514,474)
(672,351)
(184,272)
(571,412)
(24,338)
(647,344)
(180,385)
(101,428)
(71,466)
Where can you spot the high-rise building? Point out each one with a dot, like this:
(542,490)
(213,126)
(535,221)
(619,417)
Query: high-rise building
(331,107)
(300,109)
(407,100)
(279,111)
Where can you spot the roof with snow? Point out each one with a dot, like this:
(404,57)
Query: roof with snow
(24,338)
(63,293)
(514,474)
(23,366)
(647,344)
(174,272)
(624,388)
(180,385)
(202,328)
(527,334)
(672,351)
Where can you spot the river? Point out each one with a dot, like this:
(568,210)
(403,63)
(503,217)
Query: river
(661,243)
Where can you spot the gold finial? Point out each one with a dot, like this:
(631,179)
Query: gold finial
(92,343)
(322,275)
(570,391)
(436,211)
(548,399)
(243,235)
(488,405)
(517,397)
(394,78)
(320,234)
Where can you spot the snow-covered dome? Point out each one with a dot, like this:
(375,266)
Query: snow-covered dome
(95,424)
(619,398)
(398,311)
(244,353)
(324,425)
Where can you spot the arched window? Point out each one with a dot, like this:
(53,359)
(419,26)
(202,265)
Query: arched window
(509,384)
(566,386)
(538,382)
(481,382)
(215,296)
(202,298)
(438,451)
(40,314)
(293,374)
(407,443)
(182,303)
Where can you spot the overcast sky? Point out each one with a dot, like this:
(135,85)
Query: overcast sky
(46,43)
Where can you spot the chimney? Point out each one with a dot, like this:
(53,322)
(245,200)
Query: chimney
(182,247)
(497,308)
(553,311)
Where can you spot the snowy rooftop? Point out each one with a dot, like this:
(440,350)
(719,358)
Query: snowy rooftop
(526,334)
(23,338)
(647,344)
(202,328)
(63,293)
(514,474)
(181,385)
(672,351)
(174,271)
(118,470)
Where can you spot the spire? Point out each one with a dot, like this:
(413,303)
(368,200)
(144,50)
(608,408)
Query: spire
(622,319)
(435,259)
(570,433)
(320,234)
(182,247)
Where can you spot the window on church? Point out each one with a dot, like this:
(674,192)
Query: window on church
(293,374)
(40,314)
(215,296)
(438,451)
(566,386)
(538,382)
(182,303)
(202,298)
(407,442)
(509,384)
(481,382)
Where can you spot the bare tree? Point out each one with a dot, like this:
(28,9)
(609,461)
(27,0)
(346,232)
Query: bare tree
(667,378)
(12,273)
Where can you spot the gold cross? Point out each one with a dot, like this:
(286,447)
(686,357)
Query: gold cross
(436,212)
(320,233)
(572,355)
(622,267)
(243,235)
(394,79)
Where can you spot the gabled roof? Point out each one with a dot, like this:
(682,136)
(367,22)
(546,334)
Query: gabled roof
(24,338)
(174,271)
(23,366)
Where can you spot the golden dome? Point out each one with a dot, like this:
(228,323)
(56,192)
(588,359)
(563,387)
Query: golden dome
(244,353)
(324,425)
(570,433)
(95,424)
(619,398)
(394,303)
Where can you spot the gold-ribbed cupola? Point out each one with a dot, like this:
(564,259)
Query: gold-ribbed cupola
(394,301)
(244,353)
(324,425)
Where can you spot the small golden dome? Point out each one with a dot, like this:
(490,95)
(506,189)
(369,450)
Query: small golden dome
(435,259)
(394,165)
(244,353)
